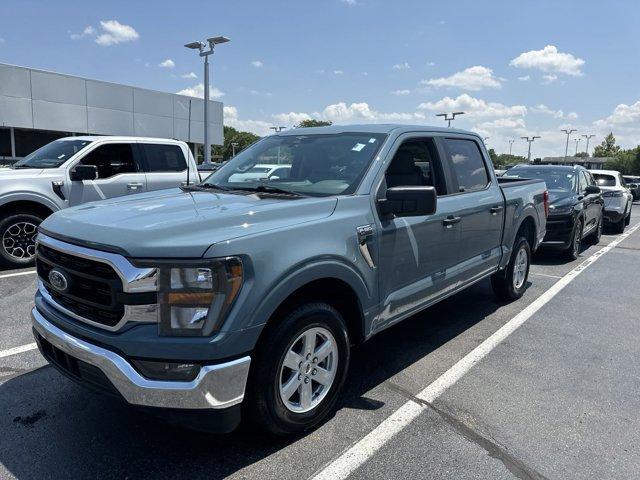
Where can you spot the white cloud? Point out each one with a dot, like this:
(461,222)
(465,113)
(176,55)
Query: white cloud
(87,32)
(549,60)
(365,73)
(338,72)
(472,78)
(549,79)
(114,32)
(524,78)
(257,64)
(361,112)
(431,64)
(502,123)
(189,75)
(401,92)
(623,114)
(168,63)
(291,118)
(474,107)
(198,91)
(349,2)
(402,66)
(259,127)
(542,108)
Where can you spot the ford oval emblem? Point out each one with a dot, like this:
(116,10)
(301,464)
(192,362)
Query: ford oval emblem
(58,280)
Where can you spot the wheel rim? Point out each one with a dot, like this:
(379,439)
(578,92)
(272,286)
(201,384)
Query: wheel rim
(577,240)
(19,240)
(520,268)
(308,370)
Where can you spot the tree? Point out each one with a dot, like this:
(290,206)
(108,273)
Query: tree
(581,155)
(504,159)
(607,148)
(231,135)
(313,123)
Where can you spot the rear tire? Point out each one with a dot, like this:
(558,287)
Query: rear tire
(284,396)
(511,283)
(619,227)
(17,239)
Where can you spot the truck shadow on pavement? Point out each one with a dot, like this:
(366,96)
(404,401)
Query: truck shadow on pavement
(53,428)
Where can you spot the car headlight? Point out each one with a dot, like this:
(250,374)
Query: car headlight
(194,300)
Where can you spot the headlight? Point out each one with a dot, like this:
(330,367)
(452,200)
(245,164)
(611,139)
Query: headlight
(194,300)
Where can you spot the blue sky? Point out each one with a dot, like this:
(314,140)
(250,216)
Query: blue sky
(518,68)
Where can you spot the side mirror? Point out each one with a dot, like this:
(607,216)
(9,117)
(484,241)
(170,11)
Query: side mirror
(409,201)
(84,172)
(592,190)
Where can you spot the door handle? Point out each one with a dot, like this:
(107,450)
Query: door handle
(450,221)
(134,185)
(495,210)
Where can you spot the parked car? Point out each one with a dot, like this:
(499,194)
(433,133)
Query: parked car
(575,205)
(76,170)
(261,171)
(633,184)
(208,168)
(250,293)
(618,200)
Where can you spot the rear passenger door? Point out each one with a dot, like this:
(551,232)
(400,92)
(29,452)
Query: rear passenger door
(165,165)
(479,204)
(120,173)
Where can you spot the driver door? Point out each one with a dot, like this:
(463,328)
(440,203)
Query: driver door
(119,173)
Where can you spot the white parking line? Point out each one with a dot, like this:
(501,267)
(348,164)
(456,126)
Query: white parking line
(17,274)
(16,350)
(361,451)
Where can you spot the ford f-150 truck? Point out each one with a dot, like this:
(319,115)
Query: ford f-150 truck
(244,298)
(75,170)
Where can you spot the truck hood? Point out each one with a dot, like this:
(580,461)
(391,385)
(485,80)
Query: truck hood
(177,224)
(19,173)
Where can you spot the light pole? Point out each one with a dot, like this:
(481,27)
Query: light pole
(530,141)
(566,148)
(277,130)
(510,145)
(200,46)
(448,118)
(588,137)
(577,140)
(233,148)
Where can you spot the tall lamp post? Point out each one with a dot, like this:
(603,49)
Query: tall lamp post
(588,137)
(566,148)
(511,146)
(577,140)
(449,117)
(233,148)
(530,141)
(277,130)
(200,46)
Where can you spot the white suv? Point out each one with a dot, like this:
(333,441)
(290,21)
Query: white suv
(618,200)
(75,170)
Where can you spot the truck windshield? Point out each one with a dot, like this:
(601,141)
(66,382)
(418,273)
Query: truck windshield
(559,179)
(53,154)
(312,164)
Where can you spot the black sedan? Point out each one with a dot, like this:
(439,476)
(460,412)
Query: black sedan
(575,205)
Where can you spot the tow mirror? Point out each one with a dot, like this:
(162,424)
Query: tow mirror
(592,190)
(409,201)
(84,172)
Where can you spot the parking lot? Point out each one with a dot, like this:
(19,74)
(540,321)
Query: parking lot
(448,393)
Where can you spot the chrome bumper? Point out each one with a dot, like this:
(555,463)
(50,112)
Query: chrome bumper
(215,387)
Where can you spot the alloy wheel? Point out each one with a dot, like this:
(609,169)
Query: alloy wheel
(19,240)
(308,370)
(520,269)
(577,240)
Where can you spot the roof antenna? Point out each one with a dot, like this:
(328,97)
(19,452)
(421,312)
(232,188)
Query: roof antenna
(189,138)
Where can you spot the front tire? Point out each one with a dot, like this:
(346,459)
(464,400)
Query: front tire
(511,283)
(17,239)
(573,252)
(299,370)
(597,235)
(619,227)
(627,219)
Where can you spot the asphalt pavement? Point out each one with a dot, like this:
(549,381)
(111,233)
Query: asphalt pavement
(557,398)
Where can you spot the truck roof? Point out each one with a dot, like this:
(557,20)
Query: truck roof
(118,138)
(374,128)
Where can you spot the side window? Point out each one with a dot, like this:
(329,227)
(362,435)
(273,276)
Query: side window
(582,186)
(164,158)
(590,179)
(467,162)
(416,163)
(111,159)
(622,182)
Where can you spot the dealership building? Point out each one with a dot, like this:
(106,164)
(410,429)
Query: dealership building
(37,107)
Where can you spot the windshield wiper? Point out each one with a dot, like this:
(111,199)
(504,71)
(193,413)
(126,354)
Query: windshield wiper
(205,186)
(269,189)
(17,167)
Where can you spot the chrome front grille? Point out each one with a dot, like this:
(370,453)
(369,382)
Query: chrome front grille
(100,288)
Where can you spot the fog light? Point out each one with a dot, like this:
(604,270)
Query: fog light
(167,371)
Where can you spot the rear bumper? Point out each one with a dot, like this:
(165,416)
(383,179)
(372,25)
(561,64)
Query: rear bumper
(216,387)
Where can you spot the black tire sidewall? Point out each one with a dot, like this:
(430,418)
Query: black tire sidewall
(6,223)
(263,397)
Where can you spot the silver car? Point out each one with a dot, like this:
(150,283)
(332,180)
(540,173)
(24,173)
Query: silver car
(618,200)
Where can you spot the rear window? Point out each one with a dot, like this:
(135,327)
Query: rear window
(604,180)
(164,158)
(467,163)
(556,179)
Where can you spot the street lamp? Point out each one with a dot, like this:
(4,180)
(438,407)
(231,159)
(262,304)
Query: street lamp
(588,137)
(510,145)
(530,140)
(566,149)
(200,46)
(577,140)
(277,129)
(233,148)
(448,118)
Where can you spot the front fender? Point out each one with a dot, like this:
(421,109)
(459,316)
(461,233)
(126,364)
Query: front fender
(26,196)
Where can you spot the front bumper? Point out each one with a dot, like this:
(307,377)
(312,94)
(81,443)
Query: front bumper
(559,231)
(613,215)
(216,386)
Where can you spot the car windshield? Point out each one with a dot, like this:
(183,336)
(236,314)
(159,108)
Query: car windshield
(605,180)
(53,154)
(556,179)
(306,164)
